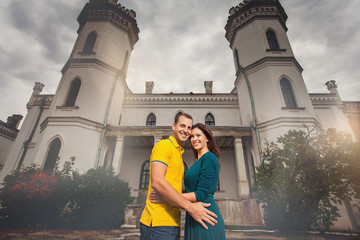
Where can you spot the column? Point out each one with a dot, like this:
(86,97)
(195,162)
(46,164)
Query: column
(157,139)
(243,184)
(118,154)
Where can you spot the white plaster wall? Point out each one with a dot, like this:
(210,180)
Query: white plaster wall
(5,146)
(23,135)
(130,171)
(93,95)
(111,44)
(251,42)
(227,175)
(268,97)
(80,141)
(136,115)
(333,117)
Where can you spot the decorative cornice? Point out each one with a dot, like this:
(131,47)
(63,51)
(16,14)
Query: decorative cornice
(218,131)
(351,107)
(183,99)
(280,61)
(71,121)
(323,99)
(83,62)
(8,132)
(250,9)
(38,100)
(115,14)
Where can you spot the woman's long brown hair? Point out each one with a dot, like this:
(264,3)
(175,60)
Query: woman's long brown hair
(212,146)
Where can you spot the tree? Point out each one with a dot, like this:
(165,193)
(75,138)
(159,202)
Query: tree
(304,176)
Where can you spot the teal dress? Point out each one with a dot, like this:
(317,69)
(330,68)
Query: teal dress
(202,179)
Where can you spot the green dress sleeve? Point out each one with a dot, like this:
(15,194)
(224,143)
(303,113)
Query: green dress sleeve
(208,177)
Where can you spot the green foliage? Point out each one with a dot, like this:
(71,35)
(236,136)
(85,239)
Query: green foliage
(303,177)
(63,198)
(100,199)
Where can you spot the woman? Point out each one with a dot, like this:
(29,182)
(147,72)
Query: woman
(201,183)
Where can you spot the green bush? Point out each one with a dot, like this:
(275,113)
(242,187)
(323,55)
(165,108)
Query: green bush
(63,199)
(99,200)
(304,176)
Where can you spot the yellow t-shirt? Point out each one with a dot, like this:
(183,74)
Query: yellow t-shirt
(168,152)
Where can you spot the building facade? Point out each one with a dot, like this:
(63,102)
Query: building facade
(94,117)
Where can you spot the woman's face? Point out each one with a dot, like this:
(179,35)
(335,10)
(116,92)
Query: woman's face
(198,139)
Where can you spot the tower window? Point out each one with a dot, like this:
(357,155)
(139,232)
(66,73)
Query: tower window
(52,155)
(209,120)
(151,120)
(73,93)
(236,55)
(271,38)
(287,93)
(145,175)
(89,44)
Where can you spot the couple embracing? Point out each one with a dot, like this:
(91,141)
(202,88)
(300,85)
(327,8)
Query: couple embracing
(160,219)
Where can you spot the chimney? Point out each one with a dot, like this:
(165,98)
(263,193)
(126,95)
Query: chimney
(14,120)
(149,87)
(36,91)
(208,87)
(332,87)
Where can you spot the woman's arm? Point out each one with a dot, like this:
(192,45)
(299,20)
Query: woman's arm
(189,196)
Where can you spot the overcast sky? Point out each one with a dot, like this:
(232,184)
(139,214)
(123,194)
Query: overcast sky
(181,45)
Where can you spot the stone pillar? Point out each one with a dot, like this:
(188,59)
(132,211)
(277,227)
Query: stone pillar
(208,87)
(243,184)
(332,87)
(149,87)
(157,139)
(118,154)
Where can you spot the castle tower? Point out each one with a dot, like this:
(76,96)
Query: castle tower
(271,91)
(90,93)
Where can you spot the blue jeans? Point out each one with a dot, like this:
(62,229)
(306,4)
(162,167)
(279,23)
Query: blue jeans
(159,233)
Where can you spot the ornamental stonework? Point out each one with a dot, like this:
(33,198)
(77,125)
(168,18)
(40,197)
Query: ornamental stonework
(351,107)
(323,100)
(183,100)
(249,9)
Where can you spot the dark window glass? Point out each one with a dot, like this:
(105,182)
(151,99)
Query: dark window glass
(73,93)
(271,38)
(209,120)
(145,175)
(52,156)
(237,58)
(89,44)
(287,93)
(151,120)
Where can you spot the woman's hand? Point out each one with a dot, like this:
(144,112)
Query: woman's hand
(155,197)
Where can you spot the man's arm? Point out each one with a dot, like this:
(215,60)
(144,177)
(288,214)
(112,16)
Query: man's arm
(197,210)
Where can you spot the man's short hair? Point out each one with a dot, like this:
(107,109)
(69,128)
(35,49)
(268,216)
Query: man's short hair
(182,114)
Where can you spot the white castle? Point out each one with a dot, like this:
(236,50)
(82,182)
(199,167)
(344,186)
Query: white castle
(96,118)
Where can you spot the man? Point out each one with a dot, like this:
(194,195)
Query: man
(161,221)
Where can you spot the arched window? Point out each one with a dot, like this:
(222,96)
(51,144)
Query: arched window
(287,93)
(89,44)
(236,55)
(209,120)
(73,93)
(145,175)
(271,38)
(52,155)
(151,120)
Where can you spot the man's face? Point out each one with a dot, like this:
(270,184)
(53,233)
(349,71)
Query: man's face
(182,129)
